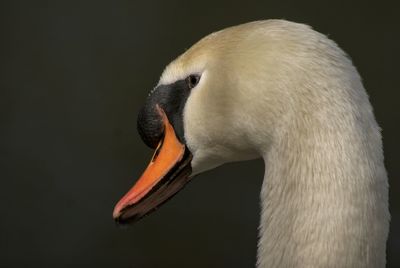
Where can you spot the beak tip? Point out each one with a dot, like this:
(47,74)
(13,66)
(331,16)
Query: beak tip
(117,211)
(116,214)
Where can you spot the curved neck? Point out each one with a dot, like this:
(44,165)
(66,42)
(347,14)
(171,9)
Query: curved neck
(324,196)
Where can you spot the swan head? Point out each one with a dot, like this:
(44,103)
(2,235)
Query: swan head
(223,100)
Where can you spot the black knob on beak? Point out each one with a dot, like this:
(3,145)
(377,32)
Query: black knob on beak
(171,99)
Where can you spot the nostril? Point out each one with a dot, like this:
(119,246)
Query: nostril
(157,152)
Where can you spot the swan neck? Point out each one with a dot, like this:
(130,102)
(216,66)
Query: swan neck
(324,197)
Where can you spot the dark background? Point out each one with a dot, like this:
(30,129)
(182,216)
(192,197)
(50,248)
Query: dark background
(73,76)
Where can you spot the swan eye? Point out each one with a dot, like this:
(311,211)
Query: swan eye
(193,80)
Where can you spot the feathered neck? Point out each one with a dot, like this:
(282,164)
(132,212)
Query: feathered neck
(324,195)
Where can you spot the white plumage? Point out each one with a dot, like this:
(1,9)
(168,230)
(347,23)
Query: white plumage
(281,91)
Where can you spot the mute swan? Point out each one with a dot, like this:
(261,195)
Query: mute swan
(282,91)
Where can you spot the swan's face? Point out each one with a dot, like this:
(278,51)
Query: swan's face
(213,130)
(202,114)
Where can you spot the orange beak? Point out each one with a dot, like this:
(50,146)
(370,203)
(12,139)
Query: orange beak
(167,173)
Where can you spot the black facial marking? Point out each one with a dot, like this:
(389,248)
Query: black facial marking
(171,98)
